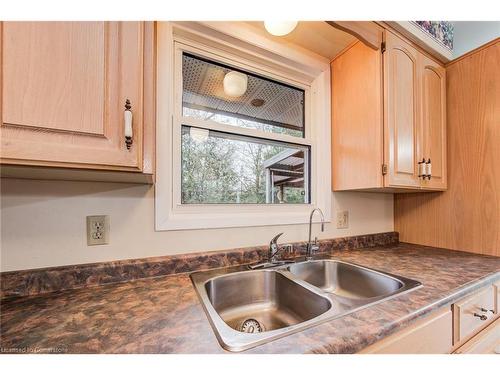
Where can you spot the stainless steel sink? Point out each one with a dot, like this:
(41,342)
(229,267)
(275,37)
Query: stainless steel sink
(263,300)
(346,280)
(249,308)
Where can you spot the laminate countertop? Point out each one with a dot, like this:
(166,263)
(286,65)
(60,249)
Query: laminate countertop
(164,314)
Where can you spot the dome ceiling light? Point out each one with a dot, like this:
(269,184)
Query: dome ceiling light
(280,28)
(235,84)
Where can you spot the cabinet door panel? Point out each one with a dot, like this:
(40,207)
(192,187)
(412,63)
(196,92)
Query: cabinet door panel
(357,130)
(434,122)
(65,90)
(430,335)
(466,314)
(63,93)
(485,342)
(401,112)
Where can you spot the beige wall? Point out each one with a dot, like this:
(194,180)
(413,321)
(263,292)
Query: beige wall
(43,224)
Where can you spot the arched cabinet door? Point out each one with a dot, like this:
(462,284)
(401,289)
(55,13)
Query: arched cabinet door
(401,113)
(412,122)
(64,90)
(433,129)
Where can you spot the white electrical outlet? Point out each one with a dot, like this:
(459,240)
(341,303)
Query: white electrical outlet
(342,219)
(97,230)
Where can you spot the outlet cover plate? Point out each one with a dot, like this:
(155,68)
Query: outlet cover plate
(342,219)
(97,230)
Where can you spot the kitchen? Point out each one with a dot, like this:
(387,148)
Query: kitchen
(259,187)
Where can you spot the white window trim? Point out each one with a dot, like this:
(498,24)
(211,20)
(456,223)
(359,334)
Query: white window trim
(170,214)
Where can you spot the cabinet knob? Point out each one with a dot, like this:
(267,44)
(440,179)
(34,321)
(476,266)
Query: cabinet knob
(127,116)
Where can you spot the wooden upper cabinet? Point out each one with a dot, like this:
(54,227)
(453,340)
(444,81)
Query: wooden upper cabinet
(388,113)
(401,107)
(433,129)
(64,88)
(356,142)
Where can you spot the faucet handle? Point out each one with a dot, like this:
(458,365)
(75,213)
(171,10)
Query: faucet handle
(273,248)
(275,238)
(315,246)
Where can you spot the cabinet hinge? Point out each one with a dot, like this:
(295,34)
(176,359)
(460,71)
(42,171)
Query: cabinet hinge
(382,47)
(384,169)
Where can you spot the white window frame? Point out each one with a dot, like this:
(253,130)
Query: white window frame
(175,38)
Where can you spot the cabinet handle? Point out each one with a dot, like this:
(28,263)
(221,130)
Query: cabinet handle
(428,169)
(127,116)
(481,316)
(486,310)
(421,169)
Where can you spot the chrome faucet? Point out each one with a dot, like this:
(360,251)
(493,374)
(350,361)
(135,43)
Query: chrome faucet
(311,248)
(274,249)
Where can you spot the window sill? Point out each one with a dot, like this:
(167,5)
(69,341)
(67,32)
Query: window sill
(252,216)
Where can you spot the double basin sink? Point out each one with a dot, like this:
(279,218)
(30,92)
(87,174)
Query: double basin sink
(249,308)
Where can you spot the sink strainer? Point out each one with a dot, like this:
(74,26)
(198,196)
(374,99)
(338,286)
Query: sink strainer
(251,326)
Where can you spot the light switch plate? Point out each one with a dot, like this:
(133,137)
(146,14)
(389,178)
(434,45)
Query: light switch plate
(342,219)
(97,230)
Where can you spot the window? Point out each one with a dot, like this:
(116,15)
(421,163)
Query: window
(210,92)
(221,167)
(228,168)
(241,138)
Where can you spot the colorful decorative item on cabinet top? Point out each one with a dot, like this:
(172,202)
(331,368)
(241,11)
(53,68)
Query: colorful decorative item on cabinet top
(441,31)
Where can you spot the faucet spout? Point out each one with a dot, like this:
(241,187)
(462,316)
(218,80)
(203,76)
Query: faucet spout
(310,246)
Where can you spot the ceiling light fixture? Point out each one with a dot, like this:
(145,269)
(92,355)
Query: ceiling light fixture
(280,28)
(235,84)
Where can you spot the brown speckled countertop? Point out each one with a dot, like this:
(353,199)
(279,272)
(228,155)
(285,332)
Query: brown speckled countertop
(164,315)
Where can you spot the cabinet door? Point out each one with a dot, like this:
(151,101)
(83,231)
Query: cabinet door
(401,112)
(429,335)
(485,342)
(64,87)
(434,122)
(357,130)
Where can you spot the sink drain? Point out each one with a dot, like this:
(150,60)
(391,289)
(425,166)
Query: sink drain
(251,326)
